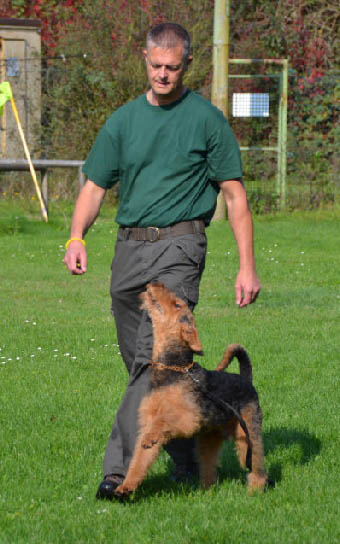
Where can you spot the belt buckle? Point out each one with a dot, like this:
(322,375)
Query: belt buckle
(154,234)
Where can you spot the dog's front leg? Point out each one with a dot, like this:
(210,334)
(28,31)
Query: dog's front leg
(141,461)
(150,437)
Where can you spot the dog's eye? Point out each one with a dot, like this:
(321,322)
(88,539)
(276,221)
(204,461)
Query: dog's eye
(178,306)
(184,319)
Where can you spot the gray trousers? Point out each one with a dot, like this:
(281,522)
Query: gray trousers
(177,262)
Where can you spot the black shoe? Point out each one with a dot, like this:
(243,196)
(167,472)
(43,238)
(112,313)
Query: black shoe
(184,474)
(108,485)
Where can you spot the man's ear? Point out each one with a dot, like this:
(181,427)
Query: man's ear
(188,62)
(190,337)
(145,54)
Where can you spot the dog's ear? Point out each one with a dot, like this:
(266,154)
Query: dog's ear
(190,336)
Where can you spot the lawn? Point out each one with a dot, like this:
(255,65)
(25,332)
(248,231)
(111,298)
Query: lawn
(61,380)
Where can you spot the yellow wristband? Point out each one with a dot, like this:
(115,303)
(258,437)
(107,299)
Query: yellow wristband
(74,240)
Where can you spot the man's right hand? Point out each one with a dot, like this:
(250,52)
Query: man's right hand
(76,258)
(86,210)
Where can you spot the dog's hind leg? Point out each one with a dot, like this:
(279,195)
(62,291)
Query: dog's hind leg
(252,416)
(209,445)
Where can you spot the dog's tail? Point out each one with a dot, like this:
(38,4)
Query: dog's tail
(236,350)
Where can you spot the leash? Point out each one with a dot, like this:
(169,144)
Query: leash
(221,403)
(226,406)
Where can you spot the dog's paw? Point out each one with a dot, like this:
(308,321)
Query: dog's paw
(149,440)
(256,483)
(122,491)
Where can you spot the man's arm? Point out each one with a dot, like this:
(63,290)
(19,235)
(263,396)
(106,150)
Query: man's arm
(85,212)
(247,285)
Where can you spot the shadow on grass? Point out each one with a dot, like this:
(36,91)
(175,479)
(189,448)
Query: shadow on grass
(18,224)
(283,446)
(14,222)
(161,485)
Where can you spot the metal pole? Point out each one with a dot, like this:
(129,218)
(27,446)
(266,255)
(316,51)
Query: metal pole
(284,98)
(279,145)
(281,149)
(219,90)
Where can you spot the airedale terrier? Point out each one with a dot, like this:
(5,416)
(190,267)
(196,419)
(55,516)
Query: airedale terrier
(186,399)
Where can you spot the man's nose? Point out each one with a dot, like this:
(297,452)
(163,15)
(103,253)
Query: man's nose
(163,73)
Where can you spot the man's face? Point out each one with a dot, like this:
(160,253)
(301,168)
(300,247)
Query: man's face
(165,69)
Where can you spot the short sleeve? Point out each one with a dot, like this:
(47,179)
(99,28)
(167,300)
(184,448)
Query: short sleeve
(223,152)
(102,163)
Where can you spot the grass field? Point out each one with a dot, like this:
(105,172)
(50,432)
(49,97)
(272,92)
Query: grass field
(61,380)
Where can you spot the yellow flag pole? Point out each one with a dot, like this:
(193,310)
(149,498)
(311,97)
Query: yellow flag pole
(28,157)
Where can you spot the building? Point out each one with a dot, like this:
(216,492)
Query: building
(20,64)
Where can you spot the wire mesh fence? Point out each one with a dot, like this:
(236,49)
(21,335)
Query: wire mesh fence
(312,150)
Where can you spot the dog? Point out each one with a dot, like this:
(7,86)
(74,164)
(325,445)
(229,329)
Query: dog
(185,399)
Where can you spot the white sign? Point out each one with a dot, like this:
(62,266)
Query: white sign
(250,105)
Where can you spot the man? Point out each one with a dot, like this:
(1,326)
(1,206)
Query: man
(172,152)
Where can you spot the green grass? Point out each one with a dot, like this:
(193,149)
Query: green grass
(61,380)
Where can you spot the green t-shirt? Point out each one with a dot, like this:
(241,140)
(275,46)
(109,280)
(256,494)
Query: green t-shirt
(166,158)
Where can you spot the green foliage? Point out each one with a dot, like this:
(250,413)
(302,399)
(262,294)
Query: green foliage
(104,66)
(314,110)
(86,91)
(19,6)
(80,92)
(261,201)
(83,117)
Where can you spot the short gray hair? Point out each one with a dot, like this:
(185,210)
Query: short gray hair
(169,35)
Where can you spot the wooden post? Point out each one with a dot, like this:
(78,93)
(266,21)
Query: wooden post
(44,187)
(81,177)
(2,79)
(219,91)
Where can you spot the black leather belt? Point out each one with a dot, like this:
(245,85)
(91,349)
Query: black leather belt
(152,234)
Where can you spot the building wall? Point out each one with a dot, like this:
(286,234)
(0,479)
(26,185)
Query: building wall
(20,64)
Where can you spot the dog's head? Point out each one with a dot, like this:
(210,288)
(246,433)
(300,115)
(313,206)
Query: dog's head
(173,322)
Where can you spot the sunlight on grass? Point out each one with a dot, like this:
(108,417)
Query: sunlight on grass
(62,378)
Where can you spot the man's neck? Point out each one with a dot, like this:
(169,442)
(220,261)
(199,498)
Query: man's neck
(164,100)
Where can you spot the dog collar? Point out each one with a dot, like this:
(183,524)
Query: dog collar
(181,369)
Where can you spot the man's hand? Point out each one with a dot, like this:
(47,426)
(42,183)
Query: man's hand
(247,288)
(247,285)
(76,258)
(85,212)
